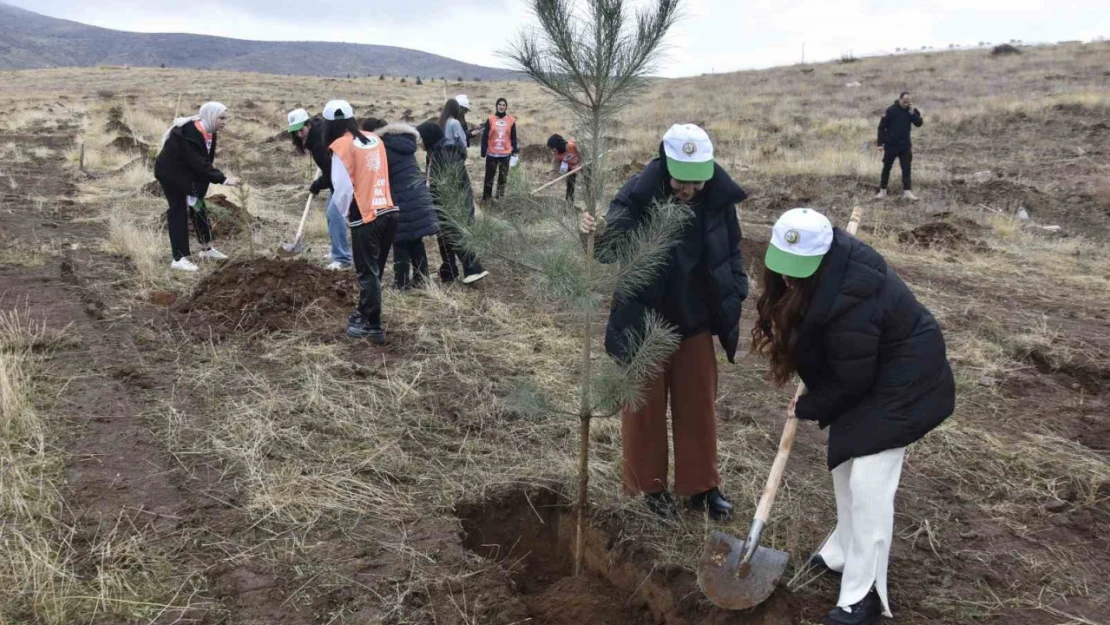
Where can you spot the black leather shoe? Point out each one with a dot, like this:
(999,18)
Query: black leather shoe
(818,564)
(362,330)
(662,504)
(718,506)
(866,612)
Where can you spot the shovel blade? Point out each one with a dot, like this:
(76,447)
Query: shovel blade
(292,248)
(730,587)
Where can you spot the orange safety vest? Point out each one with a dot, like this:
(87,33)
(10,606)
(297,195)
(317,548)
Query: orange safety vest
(369,171)
(500,136)
(571,157)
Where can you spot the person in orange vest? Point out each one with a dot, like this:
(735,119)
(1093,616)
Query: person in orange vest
(498,147)
(360,183)
(567,159)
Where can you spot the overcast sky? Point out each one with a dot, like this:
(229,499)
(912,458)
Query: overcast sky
(714,35)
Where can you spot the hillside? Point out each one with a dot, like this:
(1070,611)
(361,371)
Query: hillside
(30,41)
(210,448)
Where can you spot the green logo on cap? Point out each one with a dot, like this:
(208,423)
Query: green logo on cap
(792,236)
(689,148)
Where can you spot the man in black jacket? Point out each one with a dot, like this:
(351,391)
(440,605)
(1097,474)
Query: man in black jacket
(698,293)
(308,136)
(894,141)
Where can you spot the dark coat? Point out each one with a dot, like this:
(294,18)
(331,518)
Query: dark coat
(872,357)
(896,125)
(712,258)
(407,184)
(320,152)
(485,137)
(184,166)
(446,163)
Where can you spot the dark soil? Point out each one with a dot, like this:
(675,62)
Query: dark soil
(935,234)
(535,153)
(227,218)
(267,295)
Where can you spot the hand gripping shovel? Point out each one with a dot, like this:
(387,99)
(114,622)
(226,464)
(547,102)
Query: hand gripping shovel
(739,574)
(297,246)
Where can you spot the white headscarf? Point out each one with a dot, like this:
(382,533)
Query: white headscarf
(207,116)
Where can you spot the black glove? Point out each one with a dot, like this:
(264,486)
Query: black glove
(317,186)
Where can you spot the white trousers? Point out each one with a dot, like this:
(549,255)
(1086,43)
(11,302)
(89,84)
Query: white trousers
(859,547)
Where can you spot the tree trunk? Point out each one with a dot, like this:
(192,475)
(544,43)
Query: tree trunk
(584,416)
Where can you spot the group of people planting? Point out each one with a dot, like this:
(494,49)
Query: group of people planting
(830,309)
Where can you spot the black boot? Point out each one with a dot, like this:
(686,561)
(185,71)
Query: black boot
(817,564)
(866,612)
(662,504)
(718,506)
(359,328)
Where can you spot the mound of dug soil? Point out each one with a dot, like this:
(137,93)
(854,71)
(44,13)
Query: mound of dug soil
(935,234)
(266,295)
(125,143)
(535,153)
(226,217)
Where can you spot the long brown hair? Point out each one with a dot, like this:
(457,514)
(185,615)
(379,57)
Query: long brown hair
(451,110)
(781,311)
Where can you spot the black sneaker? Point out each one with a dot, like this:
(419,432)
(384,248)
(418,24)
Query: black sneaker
(718,506)
(866,612)
(662,504)
(817,563)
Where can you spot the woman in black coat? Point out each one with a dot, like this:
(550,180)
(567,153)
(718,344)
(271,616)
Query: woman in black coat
(874,364)
(409,188)
(184,168)
(450,184)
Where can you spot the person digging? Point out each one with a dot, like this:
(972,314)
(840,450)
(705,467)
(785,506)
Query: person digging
(185,169)
(876,374)
(499,146)
(360,179)
(308,138)
(699,292)
(894,142)
(566,158)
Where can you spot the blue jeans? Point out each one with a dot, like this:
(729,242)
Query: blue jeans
(339,232)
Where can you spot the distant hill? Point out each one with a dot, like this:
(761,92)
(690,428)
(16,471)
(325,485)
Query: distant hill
(30,41)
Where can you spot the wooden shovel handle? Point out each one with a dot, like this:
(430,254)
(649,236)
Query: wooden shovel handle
(774,479)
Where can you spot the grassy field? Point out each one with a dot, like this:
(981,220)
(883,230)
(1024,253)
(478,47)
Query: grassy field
(211,449)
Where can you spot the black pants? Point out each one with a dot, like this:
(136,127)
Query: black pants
(450,248)
(367,243)
(905,157)
(410,264)
(572,182)
(498,165)
(177,219)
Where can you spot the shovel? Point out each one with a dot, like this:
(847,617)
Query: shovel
(297,246)
(739,574)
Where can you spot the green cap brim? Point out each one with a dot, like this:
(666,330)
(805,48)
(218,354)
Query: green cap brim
(296,127)
(690,172)
(789,264)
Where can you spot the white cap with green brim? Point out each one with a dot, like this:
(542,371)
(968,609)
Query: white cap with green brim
(297,119)
(338,109)
(799,241)
(689,153)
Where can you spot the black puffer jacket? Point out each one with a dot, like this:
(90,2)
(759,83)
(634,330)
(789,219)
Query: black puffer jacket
(872,357)
(184,166)
(320,153)
(704,284)
(896,125)
(407,184)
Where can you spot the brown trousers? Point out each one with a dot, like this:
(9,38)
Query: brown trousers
(690,381)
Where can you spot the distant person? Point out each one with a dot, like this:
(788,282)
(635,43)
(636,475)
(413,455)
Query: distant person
(449,183)
(360,182)
(417,217)
(499,146)
(698,292)
(874,363)
(308,137)
(464,108)
(452,122)
(894,141)
(184,168)
(567,159)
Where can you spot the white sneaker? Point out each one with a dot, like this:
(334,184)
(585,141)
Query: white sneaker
(336,266)
(474,277)
(213,254)
(881,194)
(184,264)
(910,196)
